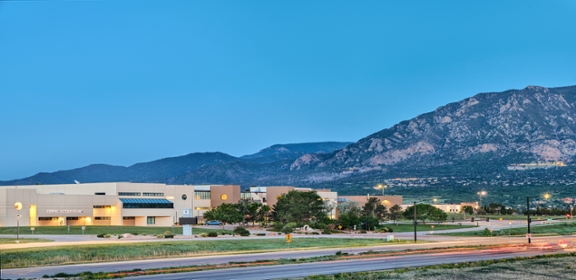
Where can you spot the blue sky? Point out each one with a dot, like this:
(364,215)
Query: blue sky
(121,82)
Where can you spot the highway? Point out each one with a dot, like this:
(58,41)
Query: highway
(332,267)
(442,241)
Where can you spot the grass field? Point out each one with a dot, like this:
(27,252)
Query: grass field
(13,258)
(539,230)
(92,230)
(547,267)
(22,240)
(460,216)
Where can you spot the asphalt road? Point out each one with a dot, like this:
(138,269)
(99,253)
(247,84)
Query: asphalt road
(219,259)
(333,267)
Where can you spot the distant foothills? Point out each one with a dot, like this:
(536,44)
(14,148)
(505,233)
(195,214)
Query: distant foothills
(509,143)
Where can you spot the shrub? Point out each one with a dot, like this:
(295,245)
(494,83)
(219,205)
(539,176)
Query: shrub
(278,226)
(338,253)
(326,231)
(292,225)
(212,234)
(362,231)
(315,233)
(287,230)
(100,235)
(242,231)
(106,235)
(320,226)
(134,233)
(260,234)
(169,236)
(119,236)
(168,233)
(486,232)
(203,234)
(160,236)
(143,234)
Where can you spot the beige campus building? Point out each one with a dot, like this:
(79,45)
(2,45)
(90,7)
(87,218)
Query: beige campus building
(134,204)
(269,195)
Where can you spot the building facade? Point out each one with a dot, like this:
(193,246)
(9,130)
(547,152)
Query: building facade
(130,204)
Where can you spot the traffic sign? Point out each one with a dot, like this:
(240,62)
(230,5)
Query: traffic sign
(500,219)
(339,226)
(288,237)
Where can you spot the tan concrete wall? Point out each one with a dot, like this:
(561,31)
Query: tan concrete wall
(388,200)
(128,222)
(231,193)
(273,192)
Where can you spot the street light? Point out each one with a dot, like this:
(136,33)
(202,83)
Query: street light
(528,221)
(382,187)
(18,207)
(480,194)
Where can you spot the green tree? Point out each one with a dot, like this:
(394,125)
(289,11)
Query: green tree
(226,213)
(263,213)
(395,212)
(299,207)
(374,207)
(467,209)
(349,214)
(425,212)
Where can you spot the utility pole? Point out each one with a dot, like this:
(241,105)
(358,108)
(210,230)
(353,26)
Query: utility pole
(415,222)
(528,218)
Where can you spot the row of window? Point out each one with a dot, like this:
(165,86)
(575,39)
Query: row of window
(153,194)
(102,218)
(201,195)
(138,194)
(101,206)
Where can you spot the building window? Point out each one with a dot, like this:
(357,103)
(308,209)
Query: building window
(151,220)
(201,195)
(71,218)
(102,218)
(99,193)
(152,194)
(246,195)
(129,193)
(101,206)
(128,218)
(47,218)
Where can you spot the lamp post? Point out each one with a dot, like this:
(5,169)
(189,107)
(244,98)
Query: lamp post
(18,207)
(528,220)
(381,187)
(480,194)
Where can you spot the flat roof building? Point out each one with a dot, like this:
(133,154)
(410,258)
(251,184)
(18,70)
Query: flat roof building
(130,204)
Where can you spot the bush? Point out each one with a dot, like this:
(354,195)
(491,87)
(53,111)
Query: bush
(119,236)
(143,234)
(242,231)
(362,231)
(212,234)
(320,226)
(292,225)
(203,234)
(339,253)
(260,234)
(160,236)
(168,233)
(100,235)
(315,233)
(169,236)
(287,230)
(106,235)
(486,232)
(278,226)
(134,233)
(326,231)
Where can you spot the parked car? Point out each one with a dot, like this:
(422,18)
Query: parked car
(213,223)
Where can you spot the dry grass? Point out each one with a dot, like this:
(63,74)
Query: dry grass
(534,268)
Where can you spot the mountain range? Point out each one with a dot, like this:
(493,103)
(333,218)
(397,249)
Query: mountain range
(472,142)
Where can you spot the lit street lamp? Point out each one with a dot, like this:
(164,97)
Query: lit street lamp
(382,187)
(480,194)
(18,207)
(528,220)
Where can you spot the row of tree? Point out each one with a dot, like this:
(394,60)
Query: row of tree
(309,208)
